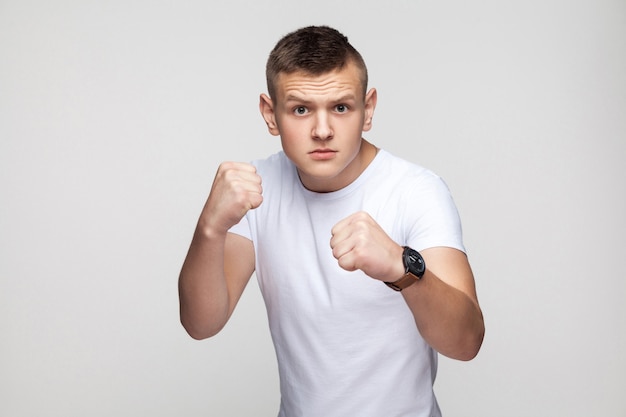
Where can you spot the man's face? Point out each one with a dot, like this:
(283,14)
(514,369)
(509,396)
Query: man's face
(320,120)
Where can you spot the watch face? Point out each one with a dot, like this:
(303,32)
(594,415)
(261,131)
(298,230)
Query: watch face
(414,262)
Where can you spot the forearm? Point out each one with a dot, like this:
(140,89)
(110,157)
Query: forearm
(219,264)
(448,319)
(203,291)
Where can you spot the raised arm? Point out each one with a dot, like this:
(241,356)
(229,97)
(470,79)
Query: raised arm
(219,264)
(445,305)
(443,302)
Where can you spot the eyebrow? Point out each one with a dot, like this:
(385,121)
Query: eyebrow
(340,99)
(293,97)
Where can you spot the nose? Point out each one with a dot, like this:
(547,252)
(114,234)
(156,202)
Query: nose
(322,129)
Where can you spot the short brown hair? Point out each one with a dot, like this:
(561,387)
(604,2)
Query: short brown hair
(314,50)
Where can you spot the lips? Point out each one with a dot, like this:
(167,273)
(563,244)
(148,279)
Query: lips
(322,154)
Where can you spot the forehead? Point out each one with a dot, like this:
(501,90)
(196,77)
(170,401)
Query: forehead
(343,81)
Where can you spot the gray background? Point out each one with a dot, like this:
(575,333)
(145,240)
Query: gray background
(115,114)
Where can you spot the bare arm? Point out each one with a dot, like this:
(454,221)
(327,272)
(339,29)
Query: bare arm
(213,277)
(443,302)
(219,264)
(445,305)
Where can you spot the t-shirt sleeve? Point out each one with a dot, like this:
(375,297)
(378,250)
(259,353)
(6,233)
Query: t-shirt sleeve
(438,222)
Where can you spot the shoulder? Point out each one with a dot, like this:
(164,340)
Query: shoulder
(276,165)
(424,203)
(406,174)
(271,161)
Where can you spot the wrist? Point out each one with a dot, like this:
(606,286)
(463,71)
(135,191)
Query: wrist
(206,230)
(414,268)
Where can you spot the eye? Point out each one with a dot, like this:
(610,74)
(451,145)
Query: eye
(300,110)
(341,108)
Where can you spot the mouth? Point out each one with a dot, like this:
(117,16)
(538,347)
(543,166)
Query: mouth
(322,154)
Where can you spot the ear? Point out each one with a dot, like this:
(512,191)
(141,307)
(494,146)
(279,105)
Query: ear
(266,106)
(370,105)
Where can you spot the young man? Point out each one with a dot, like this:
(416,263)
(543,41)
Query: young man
(358,253)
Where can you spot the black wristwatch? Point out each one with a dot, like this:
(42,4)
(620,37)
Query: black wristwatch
(414,268)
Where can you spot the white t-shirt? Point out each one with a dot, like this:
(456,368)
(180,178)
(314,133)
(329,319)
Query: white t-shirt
(347,345)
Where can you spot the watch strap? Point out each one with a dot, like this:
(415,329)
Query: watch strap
(406,280)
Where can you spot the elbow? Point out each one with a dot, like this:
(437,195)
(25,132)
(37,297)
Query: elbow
(200,333)
(468,355)
(472,345)
(473,340)
(200,330)
(466,346)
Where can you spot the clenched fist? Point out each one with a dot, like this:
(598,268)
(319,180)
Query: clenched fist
(358,242)
(236,189)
